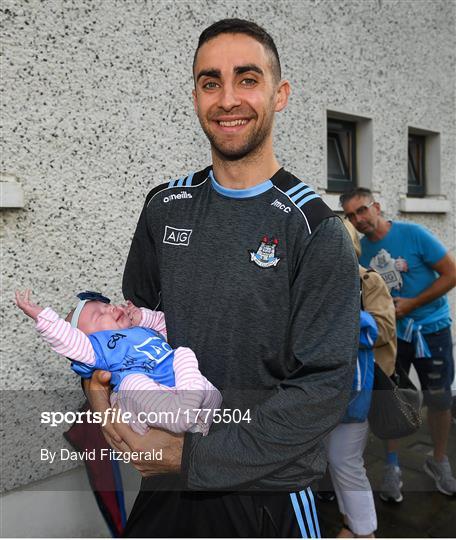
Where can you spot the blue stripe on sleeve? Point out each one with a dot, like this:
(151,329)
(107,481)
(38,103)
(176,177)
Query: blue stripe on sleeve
(171,184)
(188,182)
(301,193)
(307,199)
(295,188)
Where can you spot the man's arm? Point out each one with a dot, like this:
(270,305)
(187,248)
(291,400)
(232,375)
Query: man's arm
(446,268)
(141,279)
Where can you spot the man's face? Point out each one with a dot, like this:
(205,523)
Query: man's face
(97,316)
(235,94)
(363,214)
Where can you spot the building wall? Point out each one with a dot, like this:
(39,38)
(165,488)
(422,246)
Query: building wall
(97,110)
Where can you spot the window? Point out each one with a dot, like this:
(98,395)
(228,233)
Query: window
(416,185)
(341,155)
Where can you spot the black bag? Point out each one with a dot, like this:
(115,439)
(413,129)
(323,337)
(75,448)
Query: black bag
(395,410)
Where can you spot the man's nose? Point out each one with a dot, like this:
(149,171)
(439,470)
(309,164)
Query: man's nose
(229,97)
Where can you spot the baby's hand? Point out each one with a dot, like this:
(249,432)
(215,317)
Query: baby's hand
(134,313)
(28,307)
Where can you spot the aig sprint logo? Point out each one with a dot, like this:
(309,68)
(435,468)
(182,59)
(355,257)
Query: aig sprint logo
(177,237)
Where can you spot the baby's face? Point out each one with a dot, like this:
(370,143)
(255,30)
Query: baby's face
(98,316)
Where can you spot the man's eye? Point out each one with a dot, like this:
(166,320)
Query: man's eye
(210,85)
(248,82)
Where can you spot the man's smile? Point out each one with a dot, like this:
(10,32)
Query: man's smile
(231,125)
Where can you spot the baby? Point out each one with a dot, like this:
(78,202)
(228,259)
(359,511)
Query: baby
(148,376)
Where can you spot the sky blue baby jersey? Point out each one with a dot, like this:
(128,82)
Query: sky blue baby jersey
(133,350)
(404,258)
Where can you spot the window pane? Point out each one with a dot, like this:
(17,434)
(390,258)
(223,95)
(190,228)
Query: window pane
(411,173)
(336,162)
(416,179)
(341,155)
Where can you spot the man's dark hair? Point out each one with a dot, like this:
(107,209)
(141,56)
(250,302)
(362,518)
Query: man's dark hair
(240,26)
(356,192)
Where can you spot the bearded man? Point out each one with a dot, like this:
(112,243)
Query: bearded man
(255,274)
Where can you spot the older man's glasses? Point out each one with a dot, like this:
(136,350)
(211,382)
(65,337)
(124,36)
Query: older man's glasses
(359,212)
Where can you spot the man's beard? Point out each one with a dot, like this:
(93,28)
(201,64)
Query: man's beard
(254,142)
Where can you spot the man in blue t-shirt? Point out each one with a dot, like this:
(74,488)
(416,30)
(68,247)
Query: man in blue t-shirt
(419,272)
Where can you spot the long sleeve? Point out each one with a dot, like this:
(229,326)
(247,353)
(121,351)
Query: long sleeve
(305,406)
(63,338)
(154,320)
(141,282)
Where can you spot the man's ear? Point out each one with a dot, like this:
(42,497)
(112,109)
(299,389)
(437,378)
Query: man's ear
(195,102)
(283,93)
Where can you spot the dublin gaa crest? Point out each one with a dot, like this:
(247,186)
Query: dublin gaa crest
(264,256)
(390,269)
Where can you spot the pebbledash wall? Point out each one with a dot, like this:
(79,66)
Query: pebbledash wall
(97,109)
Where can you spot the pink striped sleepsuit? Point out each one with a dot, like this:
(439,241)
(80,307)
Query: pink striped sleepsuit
(172,408)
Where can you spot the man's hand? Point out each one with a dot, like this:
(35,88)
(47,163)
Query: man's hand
(123,438)
(403,306)
(98,390)
(134,313)
(446,268)
(156,439)
(28,307)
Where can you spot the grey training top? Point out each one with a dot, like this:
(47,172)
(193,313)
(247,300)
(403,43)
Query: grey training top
(263,285)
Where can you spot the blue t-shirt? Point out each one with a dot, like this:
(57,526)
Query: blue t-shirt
(133,350)
(404,258)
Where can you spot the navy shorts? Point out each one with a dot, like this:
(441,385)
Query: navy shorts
(436,373)
(211,514)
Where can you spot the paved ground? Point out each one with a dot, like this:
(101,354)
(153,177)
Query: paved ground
(424,512)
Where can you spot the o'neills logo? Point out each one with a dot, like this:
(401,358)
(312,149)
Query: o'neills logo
(178,196)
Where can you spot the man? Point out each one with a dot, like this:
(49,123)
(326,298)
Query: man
(419,272)
(258,277)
